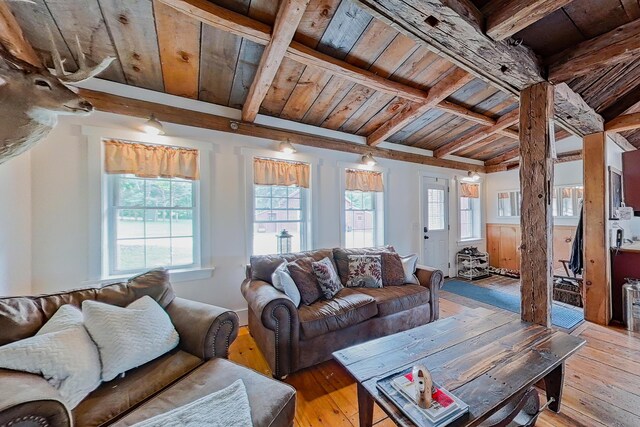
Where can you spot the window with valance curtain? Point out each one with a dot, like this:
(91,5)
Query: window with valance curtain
(471,191)
(151,161)
(360,180)
(280,172)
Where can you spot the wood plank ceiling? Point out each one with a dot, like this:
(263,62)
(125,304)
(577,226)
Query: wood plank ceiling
(161,49)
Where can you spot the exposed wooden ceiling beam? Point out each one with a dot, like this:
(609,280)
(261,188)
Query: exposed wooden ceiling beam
(623,123)
(287,20)
(243,26)
(479,134)
(438,25)
(12,38)
(628,101)
(504,18)
(445,87)
(136,108)
(569,156)
(619,45)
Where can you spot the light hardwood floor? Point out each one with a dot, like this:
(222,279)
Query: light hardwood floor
(602,383)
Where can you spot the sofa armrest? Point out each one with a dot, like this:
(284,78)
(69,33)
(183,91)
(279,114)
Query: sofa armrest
(30,398)
(433,279)
(279,314)
(206,331)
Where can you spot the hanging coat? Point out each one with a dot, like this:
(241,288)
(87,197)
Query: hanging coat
(576,262)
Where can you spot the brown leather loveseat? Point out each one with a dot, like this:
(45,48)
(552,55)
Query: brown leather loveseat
(292,338)
(197,367)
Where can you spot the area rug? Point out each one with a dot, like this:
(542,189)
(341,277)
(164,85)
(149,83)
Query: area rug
(561,316)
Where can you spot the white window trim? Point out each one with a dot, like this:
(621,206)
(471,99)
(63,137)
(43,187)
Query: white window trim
(381,211)
(249,155)
(481,236)
(98,268)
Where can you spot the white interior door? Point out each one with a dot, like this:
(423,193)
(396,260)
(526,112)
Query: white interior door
(435,220)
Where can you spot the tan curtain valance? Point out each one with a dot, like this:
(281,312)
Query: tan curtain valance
(280,172)
(472,191)
(151,161)
(359,180)
(503,195)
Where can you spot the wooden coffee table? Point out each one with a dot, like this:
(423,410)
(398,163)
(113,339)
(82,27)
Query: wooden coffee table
(487,359)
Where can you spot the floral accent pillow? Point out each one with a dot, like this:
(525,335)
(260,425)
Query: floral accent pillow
(327,277)
(365,271)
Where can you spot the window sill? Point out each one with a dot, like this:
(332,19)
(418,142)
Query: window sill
(175,276)
(473,240)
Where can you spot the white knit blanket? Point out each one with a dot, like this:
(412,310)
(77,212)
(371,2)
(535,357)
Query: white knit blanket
(224,408)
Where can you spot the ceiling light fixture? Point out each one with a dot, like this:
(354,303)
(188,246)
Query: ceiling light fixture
(473,176)
(368,160)
(287,147)
(153,126)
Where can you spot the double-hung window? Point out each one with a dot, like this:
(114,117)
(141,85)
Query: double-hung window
(470,215)
(363,209)
(280,202)
(152,215)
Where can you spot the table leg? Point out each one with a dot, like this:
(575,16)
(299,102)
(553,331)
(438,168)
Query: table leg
(365,407)
(553,386)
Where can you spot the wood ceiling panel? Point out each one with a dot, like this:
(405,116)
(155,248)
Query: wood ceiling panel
(363,53)
(474,149)
(84,19)
(218,59)
(375,41)
(551,35)
(427,119)
(132,28)
(315,20)
(367,110)
(472,93)
(595,17)
(179,42)
(344,30)
(285,81)
(498,147)
(263,11)
(601,90)
(389,111)
(310,81)
(248,60)
(34,18)
(456,128)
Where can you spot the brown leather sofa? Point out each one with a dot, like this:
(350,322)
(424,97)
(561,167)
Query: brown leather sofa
(293,338)
(197,367)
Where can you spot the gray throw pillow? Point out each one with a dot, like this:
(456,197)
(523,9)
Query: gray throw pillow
(409,264)
(282,281)
(327,278)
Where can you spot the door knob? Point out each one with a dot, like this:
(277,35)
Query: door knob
(426,237)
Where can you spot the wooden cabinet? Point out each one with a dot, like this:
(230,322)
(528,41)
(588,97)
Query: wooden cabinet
(631,175)
(503,245)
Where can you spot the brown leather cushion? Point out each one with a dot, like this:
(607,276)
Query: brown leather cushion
(22,317)
(263,266)
(341,259)
(348,307)
(394,299)
(392,270)
(272,403)
(117,397)
(301,271)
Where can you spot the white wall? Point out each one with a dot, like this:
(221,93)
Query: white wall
(15,226)
(564,174)
(614,159)
(60,171)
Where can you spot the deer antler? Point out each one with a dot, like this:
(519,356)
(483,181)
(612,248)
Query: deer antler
(85,71)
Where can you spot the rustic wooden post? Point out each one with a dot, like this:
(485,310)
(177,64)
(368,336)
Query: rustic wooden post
(536,219)
(596,248)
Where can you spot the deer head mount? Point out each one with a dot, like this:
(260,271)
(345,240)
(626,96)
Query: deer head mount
(32,98)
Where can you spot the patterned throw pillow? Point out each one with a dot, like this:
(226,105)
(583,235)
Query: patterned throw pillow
(365,271)
(327,277)
(301,271)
